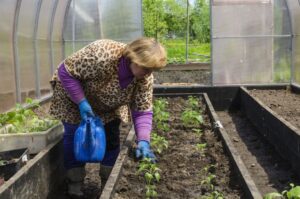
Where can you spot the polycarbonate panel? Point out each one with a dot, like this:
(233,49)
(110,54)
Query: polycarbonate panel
(27,67)
(26,18)
(45,70)
(296,59)
(242,61)
(294,8)
(7,80)
(44,20)
(26,48)
(68,48)
(251,42)
(239,20)
(282,60)
(57,53)
(126,17)
(86,21)
(59,20)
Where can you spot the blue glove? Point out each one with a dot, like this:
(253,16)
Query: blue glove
(143,151)
(85,110)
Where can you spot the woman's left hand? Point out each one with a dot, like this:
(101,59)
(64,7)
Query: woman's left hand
(143,151)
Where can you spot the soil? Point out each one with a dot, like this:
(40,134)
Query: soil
(268,170)
(182,164)
(176,76)
(283,102)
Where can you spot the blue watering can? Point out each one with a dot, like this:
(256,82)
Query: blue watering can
(90,141)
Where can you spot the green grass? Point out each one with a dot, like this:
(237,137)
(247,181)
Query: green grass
(197,52)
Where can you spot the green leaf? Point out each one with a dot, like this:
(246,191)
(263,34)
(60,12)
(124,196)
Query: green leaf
(148,177)
(148,193)
(157,176)
(294,193)
(272,195)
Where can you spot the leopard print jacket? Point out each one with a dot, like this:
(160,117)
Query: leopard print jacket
(96,67)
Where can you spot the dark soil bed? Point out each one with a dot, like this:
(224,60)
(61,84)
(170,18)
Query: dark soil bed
(182,164)
(268,170)
(176,76)
(283,102)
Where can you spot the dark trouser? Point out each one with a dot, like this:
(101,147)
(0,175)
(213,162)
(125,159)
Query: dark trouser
(112,133)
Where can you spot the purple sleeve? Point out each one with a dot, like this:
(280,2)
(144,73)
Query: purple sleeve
(70,84)
(142,121)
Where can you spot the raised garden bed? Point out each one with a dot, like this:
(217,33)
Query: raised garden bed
(283,102)
(28,127)
(194,165)
(283,135)
(11,162)
(269,171)
(38,177)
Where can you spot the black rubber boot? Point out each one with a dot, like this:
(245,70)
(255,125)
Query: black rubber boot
(104,174)
(75,178)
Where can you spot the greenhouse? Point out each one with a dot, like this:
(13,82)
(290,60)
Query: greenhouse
(150,99)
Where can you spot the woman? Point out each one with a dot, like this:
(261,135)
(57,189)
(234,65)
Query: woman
(109,79)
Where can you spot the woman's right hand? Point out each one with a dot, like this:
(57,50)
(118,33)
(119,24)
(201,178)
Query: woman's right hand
(85,109)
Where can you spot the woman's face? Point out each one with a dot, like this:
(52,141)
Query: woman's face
(138,71)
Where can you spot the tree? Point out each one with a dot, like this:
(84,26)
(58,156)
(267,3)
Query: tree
(200,21)
(175,16)
(153,17)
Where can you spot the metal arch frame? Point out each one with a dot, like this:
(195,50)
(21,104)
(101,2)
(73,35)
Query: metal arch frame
(292,42)
(64,28)
(73,25)
(35,48)
(15,50)
(50,35)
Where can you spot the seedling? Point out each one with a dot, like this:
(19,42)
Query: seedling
(160,105)
(193,102)
(158,143)
(293,193)
(216,195)
(23,119)
(161,120)
(209,180)
(201,147)
(198,131)
(151,175)
(150,170)
(151,191)
(190,117)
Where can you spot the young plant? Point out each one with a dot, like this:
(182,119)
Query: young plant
(216,195)
(209,179)
(201,147)
(151,191)
(193,102)
(23,119)
(150,170)
(190,117)
(151,175)
(158,143)
(292,193)
(159,105)
(198,131)
(161,120)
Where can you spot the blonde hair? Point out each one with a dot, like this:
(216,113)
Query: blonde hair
(147,53)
